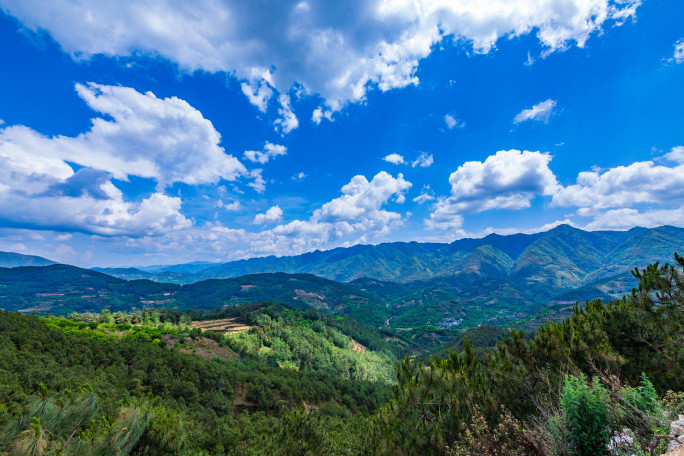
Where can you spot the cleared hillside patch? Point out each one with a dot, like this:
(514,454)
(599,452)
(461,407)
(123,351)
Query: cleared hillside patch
(225,326)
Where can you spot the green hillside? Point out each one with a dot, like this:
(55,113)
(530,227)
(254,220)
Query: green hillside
(61,289)
(184,391)
(264,379)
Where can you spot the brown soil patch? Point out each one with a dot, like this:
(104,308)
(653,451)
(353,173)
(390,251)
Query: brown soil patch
(304,294)
(357,347)
(225,326)
(202,347)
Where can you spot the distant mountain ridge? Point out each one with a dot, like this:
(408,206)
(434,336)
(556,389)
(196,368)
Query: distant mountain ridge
(495,280)
(575,256)
(14,260)
(61,289)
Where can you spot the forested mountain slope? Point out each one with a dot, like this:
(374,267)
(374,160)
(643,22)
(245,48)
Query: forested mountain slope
(61,289)
(13,260)
(559,259)
(169,389)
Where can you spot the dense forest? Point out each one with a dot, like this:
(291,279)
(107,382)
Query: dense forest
(269,379)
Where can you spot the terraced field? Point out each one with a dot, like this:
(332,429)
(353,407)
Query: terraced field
(225,326)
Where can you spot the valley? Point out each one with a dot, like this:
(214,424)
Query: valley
(444,289)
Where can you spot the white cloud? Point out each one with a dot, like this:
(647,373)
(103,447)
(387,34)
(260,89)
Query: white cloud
(259,89)
(380,45)
(107,214)
(623,186)
(425,196)
(361,200)
(510,179)
(234,206)
(355,216)
(678,56)
(453,122)
(299,176)
(270,151)
(394,158)
(540,112)
(273,215)
(163,139)
(445,216)
(676,154)
(63,237)
(626,218)
(319,114)
(287,121)
(258,184)
(424,160)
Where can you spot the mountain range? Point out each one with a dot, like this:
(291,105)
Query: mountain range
(494,280)
(569,257)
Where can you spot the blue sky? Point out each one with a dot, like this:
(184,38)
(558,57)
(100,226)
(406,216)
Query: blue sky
(137,134)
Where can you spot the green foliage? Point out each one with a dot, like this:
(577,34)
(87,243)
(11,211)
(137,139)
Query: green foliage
(586,415)
(196,403)
(67,426)
(302,385)
(644,397)
(313,342)
(435,402)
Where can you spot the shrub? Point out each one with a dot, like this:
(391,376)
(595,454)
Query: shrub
(585,408)
(644,397)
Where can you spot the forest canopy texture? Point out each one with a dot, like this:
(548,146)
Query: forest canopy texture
(606,380)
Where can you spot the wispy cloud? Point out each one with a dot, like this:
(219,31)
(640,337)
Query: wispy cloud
(540,112)
(452,122)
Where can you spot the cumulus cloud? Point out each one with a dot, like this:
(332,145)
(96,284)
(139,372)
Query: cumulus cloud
(626,218)
(82,212)
(270,151)
(424,160)
(540,112)
(453,122)
(319,114)
(273,215)
(357,215)
(162,139)
(234,206)
(394,158)
(361,200)
(624,186)
(510,179)
(676,154)
(299,176)
(166,140)
(380,45)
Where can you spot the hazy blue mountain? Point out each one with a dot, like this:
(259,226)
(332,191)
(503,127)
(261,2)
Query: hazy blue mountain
(185,268)
(160,276)
(14,260)
(559,259)
(494,280)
